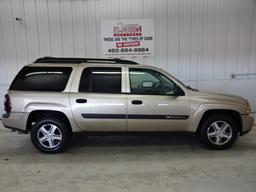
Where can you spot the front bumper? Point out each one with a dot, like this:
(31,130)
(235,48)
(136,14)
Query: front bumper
(247,123)
(16,121)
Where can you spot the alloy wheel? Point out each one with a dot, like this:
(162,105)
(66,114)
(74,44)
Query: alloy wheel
(219,132)
(49,136)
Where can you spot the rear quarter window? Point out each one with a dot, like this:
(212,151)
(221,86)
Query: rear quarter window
(41,79)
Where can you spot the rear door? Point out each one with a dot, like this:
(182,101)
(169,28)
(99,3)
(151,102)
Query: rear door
(99,104)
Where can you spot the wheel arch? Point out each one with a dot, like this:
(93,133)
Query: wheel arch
(232,113)
(35,115)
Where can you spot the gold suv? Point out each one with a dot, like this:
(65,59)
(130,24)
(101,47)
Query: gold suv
(54,97)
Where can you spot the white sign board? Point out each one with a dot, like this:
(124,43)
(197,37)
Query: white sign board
(127,37)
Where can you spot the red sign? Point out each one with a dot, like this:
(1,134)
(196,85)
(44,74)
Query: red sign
(127,44)
(126,30)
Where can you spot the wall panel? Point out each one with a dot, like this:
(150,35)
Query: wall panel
(202,42)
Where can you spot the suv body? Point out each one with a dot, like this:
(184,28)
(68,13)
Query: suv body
(102,95)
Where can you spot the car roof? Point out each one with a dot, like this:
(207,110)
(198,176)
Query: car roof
(73,60)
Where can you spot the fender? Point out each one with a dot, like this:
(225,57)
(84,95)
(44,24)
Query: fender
(43,106)
(197,115)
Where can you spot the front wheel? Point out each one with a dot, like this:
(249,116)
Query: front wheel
(50,135)
(219,131)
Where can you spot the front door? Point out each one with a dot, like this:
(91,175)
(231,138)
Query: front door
(153,103)
(99,104)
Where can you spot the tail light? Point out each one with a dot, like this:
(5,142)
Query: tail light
(7,103)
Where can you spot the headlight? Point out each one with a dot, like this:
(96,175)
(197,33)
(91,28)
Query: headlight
(248,108)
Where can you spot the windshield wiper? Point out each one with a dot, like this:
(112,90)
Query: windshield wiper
(191,88)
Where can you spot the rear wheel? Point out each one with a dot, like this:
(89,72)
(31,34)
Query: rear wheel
(50,135)
(219,131)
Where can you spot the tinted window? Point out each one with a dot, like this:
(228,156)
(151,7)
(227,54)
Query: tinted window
(101,80)
(150,82)
(42,79)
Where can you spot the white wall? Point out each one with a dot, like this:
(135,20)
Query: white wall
(202,42)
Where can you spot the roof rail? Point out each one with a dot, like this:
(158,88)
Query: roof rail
(81,60)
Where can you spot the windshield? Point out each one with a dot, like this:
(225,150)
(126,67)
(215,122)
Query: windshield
(187,86)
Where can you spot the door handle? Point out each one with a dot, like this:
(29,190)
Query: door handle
(137,102)
(81,101)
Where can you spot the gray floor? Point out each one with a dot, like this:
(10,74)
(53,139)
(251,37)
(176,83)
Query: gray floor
(128,163)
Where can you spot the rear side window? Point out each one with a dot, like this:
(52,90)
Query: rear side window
(101,80)
(42,79)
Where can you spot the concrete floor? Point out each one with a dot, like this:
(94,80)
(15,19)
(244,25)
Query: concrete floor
(128,163)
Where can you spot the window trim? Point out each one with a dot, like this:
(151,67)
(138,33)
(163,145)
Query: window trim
(129,84)
(84,68)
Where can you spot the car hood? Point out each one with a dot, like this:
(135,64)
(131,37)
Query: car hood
(219,96)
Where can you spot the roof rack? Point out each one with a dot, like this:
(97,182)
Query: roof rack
(81,60)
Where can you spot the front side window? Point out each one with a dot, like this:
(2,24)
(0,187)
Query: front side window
(42,79)
(101,80)
(150,82)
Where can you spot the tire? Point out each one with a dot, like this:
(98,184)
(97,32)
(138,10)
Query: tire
(50,135)
(219,131)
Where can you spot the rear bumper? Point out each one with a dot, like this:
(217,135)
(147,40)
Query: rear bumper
(16,121)
(247,123)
